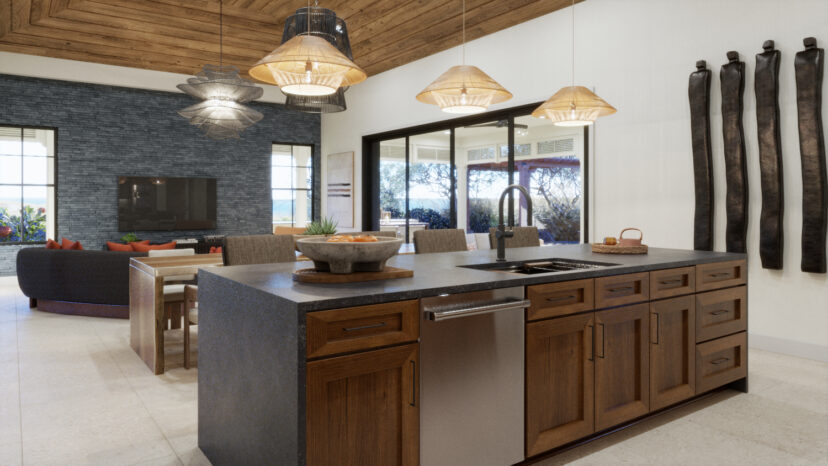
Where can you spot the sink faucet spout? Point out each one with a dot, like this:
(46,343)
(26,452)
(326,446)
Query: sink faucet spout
(501,234)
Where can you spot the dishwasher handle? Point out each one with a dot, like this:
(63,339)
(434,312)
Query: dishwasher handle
(437,316)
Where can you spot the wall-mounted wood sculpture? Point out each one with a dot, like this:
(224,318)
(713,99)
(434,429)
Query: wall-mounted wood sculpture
(699,93)
(770,156)
(732,75)
(809,67)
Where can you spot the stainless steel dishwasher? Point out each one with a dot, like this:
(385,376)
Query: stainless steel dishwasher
(471,378)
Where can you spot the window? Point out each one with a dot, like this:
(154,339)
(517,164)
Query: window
(451,174)
(291,180)
(27,185)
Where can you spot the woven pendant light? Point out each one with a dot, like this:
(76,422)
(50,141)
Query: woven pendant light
(220,114)
(464,88)
(325,24)
(573,105)
(308,65)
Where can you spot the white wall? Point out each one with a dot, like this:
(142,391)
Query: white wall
(70,70)
(637,54)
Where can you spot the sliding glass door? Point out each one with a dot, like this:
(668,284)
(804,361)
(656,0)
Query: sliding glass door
(451,174)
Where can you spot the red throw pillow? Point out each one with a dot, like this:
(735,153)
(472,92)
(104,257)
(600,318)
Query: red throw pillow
(215,249)
(146,247)
(118,247)
(133,243)
(66,244)
(52,244)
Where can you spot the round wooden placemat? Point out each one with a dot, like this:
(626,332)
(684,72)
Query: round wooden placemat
(312,276)
(607,249)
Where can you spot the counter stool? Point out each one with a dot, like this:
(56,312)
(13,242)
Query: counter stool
(190,318)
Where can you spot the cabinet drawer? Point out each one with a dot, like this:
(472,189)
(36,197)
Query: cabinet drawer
(560,299)
(719,362)
(357,328)
(720,275)
(672,282)
(622,289)
(720,313)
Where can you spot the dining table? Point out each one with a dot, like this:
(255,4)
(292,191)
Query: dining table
(147,317)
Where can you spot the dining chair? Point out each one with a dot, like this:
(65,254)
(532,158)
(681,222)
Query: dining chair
(447,240)
(173,286)
(278,230)
(524,237)
(190,318)
(258,249)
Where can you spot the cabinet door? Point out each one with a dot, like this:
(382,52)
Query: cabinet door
(672,351)
(622,366)
(362,409)
(559,381)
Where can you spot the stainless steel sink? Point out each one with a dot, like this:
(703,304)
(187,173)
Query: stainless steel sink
(537,266)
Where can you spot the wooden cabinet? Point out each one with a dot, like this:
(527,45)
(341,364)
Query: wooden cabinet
(721,361)
(721,313)
(720,275)
(672,282)
(560,299)
(362,409)
(622,367)
(672,351)
(559,382)
(358,328)
(622,289)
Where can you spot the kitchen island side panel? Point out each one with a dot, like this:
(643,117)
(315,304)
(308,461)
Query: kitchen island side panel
(251,375)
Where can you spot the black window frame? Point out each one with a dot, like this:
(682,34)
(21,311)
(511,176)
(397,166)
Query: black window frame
(371,161)
(313,188)
(54,178)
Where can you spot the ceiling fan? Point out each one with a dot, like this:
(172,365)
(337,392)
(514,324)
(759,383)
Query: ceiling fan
(498,124)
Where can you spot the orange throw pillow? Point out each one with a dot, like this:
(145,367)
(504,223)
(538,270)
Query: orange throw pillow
(66,244)
(146,247)
(118,247)
(52,244)
(133,243)
(215,249)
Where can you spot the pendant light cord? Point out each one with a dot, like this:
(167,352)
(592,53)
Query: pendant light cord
(221,33)
(573,43)
(464,32)
(308,14)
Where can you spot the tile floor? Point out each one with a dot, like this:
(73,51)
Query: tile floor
(73,392)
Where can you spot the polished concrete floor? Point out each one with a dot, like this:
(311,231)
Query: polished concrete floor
(73,392)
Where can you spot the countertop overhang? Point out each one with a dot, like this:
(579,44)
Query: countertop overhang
(440,273)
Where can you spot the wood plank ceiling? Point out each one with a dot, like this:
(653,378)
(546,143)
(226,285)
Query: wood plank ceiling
(181,36)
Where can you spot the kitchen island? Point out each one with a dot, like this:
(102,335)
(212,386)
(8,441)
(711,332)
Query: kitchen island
(293,373)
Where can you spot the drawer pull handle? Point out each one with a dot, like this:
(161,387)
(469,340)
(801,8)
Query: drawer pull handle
(363,327)
(603,331)
(657,329)
(719,361)
(671,282)
(720,312)
(720,275)
(622,288)
(561,298)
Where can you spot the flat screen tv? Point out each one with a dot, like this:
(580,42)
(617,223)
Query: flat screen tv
(153,203)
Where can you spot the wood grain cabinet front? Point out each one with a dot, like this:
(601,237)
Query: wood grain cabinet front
(721,361)
(622,365)
(559,381)
(672,351)
(363,409)
(720,275)
(352,329)
(672,282)
(619,290)
(560,299)
(720,313)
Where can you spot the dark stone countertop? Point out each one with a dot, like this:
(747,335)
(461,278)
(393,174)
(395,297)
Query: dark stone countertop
(436,274)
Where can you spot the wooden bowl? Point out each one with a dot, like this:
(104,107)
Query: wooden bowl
(343,257)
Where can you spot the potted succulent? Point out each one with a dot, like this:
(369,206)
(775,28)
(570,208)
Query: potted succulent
(321,228)
(129,238)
